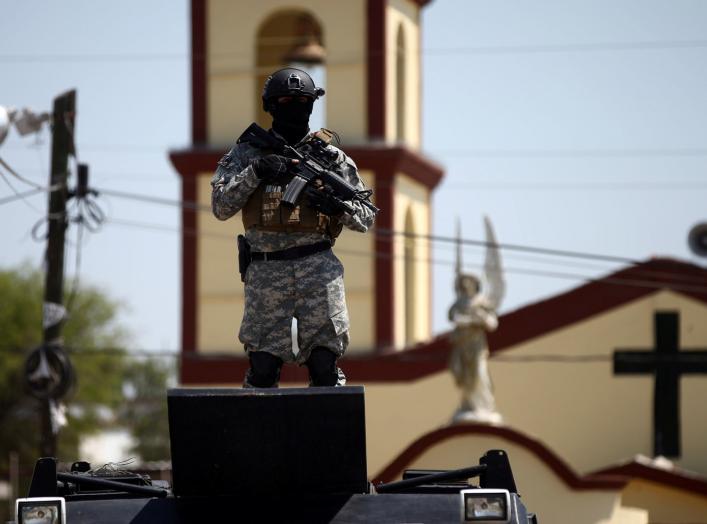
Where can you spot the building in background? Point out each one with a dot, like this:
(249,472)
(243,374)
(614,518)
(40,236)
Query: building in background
(367,54)
(599,429)
(602,393)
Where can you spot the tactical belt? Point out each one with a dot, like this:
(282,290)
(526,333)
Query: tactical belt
(291,253)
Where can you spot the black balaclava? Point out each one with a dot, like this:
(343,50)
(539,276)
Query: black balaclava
(291,119)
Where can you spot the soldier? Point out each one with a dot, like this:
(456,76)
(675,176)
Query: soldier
(293,272)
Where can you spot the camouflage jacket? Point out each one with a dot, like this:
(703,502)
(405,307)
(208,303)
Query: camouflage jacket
(235,181)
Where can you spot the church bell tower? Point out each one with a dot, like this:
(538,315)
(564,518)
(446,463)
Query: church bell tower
(366,54)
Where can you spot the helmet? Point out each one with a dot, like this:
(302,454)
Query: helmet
(290,82)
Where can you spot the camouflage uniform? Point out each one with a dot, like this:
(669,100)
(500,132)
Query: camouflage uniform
(310,288)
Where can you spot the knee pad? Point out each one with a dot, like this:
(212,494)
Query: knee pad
(264,370)
(322,367)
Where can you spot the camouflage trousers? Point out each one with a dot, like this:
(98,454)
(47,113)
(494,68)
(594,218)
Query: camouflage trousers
(310,289)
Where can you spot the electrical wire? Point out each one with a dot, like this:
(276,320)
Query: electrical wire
(440,51)
(544,185)
(463,152)
(452,240)
(511,247)
(525,154)
(89,215)
(27,181)
(470,242)
(633,282)
(679,185)
(389,232)
(155,200)
(77,269)
(18,196)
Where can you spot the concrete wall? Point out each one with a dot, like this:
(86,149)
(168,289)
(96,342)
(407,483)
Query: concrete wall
(665,505)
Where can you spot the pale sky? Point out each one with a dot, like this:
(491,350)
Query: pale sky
(574,125)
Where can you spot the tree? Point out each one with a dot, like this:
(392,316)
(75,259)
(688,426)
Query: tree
(145,409)
(95,343)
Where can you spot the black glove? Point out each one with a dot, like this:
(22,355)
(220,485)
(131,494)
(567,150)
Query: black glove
(323,203)
(272,168)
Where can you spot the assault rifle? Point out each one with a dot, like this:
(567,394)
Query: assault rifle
(315,171)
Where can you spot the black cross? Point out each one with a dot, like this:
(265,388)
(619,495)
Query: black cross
(668,363)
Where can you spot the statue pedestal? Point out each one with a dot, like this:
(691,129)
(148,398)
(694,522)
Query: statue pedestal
(477,417)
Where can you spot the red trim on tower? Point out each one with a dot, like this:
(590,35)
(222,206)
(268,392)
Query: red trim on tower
(189,266)
(198,71)
(537,448)
(384,281)
(672,478)
(188,170)
(381,159)
(376,69)
(396,159)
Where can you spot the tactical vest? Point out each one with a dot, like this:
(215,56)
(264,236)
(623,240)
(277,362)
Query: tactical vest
(264,212)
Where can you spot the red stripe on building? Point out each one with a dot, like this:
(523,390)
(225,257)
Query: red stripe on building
(198,71)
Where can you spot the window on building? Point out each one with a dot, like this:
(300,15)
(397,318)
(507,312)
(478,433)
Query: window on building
(291,37)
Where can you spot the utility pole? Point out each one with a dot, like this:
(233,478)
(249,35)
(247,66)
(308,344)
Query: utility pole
(62,146)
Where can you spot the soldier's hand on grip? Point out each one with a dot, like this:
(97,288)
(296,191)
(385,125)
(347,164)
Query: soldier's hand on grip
(325,204)
(273,168)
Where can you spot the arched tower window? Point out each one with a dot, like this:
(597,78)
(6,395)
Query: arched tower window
(291,37)
(410,278)
(400,84)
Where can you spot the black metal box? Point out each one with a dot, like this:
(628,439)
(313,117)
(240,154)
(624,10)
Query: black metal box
(267,442)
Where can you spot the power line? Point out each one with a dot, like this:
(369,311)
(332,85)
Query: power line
(479,243)
(678,185)
(503,185)
(438,51)
(513,247)
(634,282)
(155,200)
(432,238)
(194,206)
(572,153)
(524,154)
(26,180)
(18,196)
(569,48)
(485,153)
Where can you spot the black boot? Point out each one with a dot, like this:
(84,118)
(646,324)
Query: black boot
(323,370)
(264,370)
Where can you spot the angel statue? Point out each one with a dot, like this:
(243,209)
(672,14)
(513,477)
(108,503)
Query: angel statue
(473,314)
